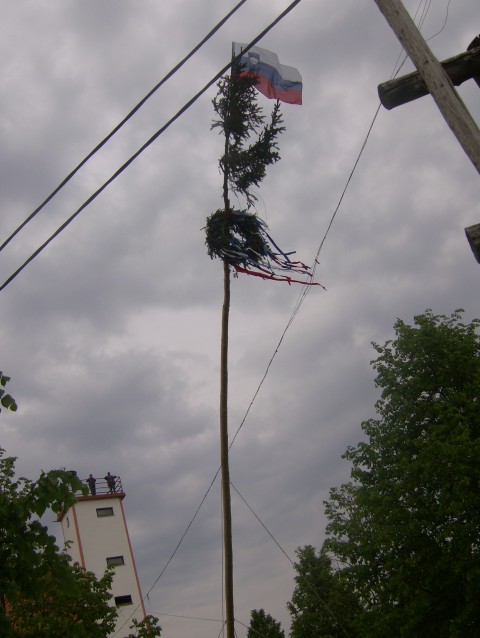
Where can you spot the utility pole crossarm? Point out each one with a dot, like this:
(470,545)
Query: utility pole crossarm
(435,77)
(473,236)
(410,87)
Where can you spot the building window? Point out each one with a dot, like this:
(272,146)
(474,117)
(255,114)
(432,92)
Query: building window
(104,511)
(115,560)
(123,600)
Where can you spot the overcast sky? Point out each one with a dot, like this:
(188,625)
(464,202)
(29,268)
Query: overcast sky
(111,336)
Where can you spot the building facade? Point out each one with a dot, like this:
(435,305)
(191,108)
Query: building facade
(96,529)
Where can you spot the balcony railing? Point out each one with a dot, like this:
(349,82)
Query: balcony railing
(102,486)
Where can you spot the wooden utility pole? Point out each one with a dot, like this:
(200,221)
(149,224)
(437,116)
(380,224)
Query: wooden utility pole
(435,77)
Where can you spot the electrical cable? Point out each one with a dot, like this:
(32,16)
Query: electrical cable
(222,630)
(443,25)
(222,581)
(425,10)
(395,72)
(163,613)
(420,23)
(263,525)
(174,551)
(250,629)
(124,121)
(312,589)
(118,172)
(306,289)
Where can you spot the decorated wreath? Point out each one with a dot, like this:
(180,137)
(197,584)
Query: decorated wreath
(241,239)
(234,236)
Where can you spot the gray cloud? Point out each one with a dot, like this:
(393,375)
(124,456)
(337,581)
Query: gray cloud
(111,335)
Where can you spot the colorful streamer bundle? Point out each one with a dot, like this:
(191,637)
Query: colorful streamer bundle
(241,239)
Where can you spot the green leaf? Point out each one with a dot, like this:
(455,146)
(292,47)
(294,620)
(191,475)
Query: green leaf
(4,379)
(8,402)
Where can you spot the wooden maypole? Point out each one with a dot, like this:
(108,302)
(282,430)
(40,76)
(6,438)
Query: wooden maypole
(226,500)
(239,237)
(239,118)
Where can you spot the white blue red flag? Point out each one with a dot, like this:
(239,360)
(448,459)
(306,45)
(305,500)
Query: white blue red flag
(274,80)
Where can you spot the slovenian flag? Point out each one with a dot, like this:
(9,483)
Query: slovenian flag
(274,80)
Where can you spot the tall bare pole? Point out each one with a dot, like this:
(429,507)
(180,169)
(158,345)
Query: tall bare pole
(226,500)
(239,117)
(435,77)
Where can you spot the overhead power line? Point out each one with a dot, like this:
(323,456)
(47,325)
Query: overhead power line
(120,124)
(118,172)
(163,613)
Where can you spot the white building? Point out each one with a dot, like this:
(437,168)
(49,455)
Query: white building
(97,531)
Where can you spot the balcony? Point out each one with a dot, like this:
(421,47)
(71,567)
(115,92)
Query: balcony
(101,487)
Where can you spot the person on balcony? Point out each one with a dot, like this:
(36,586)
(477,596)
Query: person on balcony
(111,483)
(91,480)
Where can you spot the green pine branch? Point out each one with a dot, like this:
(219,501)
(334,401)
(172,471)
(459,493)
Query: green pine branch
(240,119)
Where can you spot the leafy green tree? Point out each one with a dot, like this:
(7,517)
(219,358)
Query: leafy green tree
(263,625)
(6,400)
(146,628)
(41,594)
(78,610)
(322,604)
(407,526)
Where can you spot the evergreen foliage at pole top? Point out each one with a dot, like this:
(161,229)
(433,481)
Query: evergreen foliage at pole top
(239,237)
(240,118)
